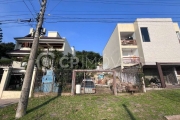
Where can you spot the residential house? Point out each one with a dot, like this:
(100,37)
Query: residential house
(151,43)
(12,76)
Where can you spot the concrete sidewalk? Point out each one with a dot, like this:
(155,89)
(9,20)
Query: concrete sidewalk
(173,117)
(6,102)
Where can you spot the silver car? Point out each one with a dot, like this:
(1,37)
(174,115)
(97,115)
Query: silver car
(88,86)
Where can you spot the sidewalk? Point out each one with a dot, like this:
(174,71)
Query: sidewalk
(6,102)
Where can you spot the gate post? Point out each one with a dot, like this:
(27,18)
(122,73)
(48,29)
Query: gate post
(163,85)
(114,83)
(73,82)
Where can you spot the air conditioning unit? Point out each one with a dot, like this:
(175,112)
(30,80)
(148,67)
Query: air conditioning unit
(43,31)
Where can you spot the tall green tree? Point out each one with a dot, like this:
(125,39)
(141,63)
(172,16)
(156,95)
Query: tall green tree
(6,47)
(88,59)
(1,34)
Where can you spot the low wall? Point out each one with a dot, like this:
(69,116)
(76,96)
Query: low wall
(11,94)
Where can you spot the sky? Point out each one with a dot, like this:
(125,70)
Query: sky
(86,24)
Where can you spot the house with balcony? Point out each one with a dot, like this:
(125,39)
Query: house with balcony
(152,43)
(11,75)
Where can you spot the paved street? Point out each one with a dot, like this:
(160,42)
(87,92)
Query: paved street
(6,102)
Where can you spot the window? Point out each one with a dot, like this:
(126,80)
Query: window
(145,34)
(26,44)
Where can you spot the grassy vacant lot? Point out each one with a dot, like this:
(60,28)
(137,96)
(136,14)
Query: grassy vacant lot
(150,106)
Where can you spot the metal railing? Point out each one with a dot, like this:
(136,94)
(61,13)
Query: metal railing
(131,60)
(128,42)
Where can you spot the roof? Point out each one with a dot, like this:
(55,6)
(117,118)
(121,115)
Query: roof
(43,37)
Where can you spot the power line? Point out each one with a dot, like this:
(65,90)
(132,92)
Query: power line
(48,4)
(55,6)
(126,3)
(32,6)
(87,14)
(108,21)
(123,2)
(6,2)
(29,9)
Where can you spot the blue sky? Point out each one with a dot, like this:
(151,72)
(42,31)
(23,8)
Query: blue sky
(87,24)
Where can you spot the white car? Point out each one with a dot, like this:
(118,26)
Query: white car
(88,86)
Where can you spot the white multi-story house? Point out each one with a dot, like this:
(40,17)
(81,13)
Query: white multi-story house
(12,76)
(153,42)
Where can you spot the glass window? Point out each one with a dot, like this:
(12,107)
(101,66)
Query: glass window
(145,34)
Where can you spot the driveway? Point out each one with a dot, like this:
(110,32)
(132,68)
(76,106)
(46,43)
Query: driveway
(6,102)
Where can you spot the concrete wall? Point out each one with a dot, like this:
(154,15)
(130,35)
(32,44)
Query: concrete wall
(11,94)
(111,52)
(4,79)
(176,26)
(163,45)
(139,43)
(16,64)
(126,27)
(67,48)
(17,46)
(53,34)
(14,94)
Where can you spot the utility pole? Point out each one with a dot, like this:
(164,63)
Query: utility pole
(23,102)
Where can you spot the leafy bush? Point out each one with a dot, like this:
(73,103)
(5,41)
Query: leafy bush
(146,81)
(6,62)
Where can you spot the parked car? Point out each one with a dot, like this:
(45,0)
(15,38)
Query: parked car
(88,86)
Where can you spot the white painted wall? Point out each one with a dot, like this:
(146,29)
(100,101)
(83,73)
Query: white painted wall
(17,46)
(67,48)
(111,52)
(163,46)
(4,79)
(53,34)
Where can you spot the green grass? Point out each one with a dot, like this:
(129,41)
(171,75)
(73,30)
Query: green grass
(150,106)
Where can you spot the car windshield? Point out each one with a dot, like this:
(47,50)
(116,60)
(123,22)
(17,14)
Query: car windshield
(88,84)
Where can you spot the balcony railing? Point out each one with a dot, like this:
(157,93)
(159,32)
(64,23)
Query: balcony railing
(131,60)
(128,42)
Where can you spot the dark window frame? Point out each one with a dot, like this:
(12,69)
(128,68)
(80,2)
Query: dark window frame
(145,34)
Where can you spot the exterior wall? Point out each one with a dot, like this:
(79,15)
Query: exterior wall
(73,51)
(17,46)
(67,48)
(126,27)
(163,45)
(16,64)
(53,34)
(176,26)
(4,79)
(139,43)
(11,94)
(111,52)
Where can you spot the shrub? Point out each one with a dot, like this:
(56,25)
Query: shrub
(5,62)
(146,81)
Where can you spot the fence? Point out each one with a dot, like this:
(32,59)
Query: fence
(61,82)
